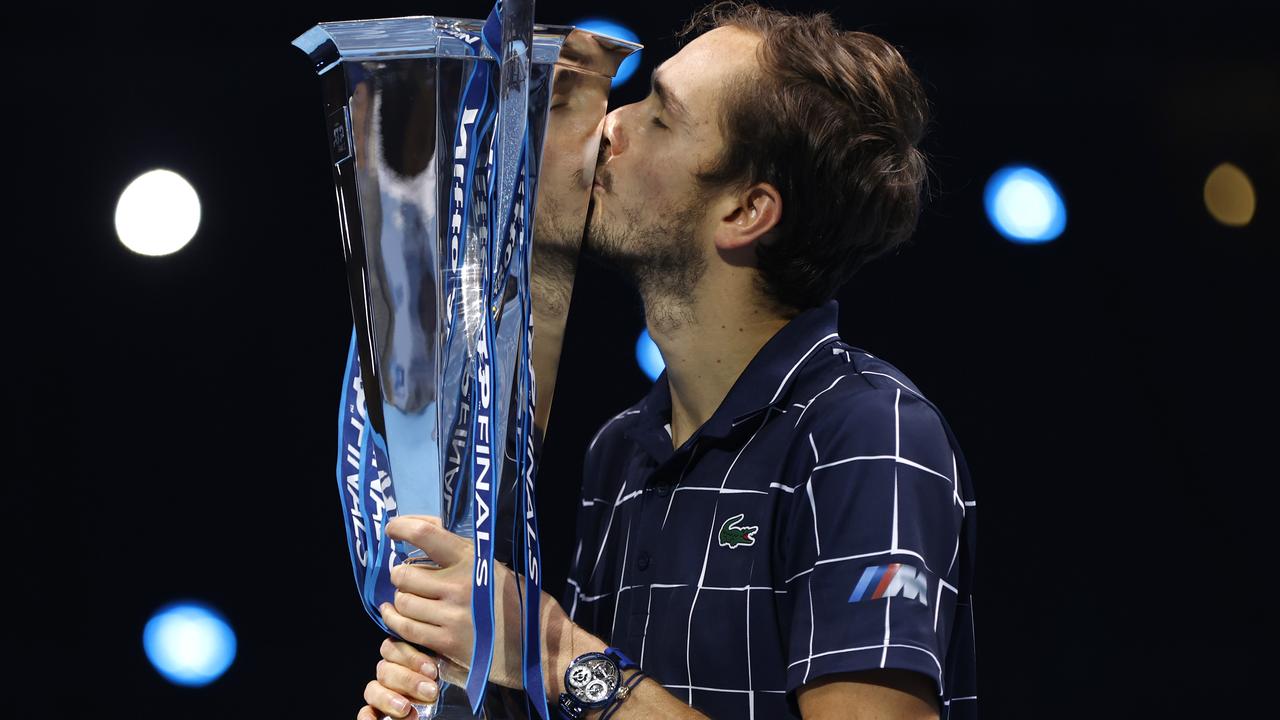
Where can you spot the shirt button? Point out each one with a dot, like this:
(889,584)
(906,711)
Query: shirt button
(642,560)
(663,488)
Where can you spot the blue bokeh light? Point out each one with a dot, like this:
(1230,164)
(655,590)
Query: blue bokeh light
(1024,205)
(189,643)
(613,28)
(648,356)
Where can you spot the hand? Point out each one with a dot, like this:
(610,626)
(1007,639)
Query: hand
(398,684)
(433,607)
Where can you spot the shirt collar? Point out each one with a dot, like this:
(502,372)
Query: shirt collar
(762,384)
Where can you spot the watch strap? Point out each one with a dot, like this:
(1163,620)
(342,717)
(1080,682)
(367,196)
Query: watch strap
(570,709)
(621,660)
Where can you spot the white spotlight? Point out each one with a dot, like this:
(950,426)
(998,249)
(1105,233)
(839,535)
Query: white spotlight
(158,213)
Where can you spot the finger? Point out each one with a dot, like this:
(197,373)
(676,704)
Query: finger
(408,656)
(385,700)
(367,713)
(402,519)
(409,684)
(421,580)
(432,637)
(435,519)
(442,546)
(431,612)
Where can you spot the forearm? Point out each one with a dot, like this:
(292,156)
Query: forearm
(648,699)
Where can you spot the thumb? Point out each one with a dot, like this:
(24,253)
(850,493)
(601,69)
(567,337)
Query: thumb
(428,534)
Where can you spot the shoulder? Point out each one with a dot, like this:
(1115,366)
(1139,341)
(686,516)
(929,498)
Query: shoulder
(611,432)
(847,396)
(610,444)
(844,370)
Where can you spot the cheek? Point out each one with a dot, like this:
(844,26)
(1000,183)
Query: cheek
(663,177)
(654,173)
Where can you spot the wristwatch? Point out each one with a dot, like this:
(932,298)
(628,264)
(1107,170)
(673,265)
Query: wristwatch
(593,680)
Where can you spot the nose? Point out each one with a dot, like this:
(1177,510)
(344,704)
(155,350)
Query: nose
(615,140)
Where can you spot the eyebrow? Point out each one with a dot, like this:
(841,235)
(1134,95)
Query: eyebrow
(665,96)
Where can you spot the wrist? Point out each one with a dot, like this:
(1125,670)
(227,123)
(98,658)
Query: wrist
(574,642)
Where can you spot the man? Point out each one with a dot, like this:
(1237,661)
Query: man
(784,526)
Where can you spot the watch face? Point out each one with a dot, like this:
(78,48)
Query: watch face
(593,679)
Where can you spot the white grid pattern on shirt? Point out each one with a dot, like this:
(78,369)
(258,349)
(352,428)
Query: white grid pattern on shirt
(805,407)
(893,547)
(624,588)
(868,647)
(751,681)
(892,550)
(621,577)
(604,541)
(711,532)
(716,689)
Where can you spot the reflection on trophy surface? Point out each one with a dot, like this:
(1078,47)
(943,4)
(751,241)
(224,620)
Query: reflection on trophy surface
(392,114)
(579,99)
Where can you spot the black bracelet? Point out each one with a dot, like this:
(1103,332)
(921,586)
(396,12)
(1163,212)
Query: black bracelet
(631,682)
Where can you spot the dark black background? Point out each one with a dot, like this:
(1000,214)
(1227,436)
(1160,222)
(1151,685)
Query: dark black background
(1112,389)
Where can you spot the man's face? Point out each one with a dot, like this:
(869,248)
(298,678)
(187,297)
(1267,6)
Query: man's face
(649,215)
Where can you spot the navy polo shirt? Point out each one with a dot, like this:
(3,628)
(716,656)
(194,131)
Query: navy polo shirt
(821,521)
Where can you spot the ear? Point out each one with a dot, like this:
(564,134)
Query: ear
(747,216)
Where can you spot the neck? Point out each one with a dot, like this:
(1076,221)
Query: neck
(706,353)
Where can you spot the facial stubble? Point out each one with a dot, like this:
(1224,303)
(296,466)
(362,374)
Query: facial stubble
(658,254)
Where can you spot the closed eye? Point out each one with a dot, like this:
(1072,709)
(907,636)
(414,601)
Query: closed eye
(658,122)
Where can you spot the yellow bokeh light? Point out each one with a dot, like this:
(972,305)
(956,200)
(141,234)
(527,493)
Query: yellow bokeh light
(1229,197)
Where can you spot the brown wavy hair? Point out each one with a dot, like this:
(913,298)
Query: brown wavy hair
(835,125)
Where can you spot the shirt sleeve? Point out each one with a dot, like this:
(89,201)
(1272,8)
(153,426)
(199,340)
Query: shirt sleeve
(870,539)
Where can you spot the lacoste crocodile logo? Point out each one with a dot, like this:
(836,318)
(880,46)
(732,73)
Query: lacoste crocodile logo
(732,535)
